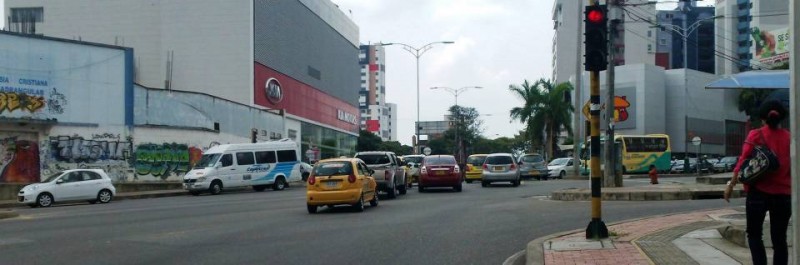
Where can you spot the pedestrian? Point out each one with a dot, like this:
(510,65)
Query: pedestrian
(772,192)
(653,175)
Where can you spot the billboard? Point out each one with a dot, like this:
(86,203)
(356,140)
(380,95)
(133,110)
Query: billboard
(771,46)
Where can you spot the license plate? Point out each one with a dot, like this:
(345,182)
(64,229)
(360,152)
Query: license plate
(533,172)
(498,168)
(185,186)
(440,172)
(331,184)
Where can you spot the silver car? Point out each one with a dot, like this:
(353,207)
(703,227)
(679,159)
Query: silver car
(500,167)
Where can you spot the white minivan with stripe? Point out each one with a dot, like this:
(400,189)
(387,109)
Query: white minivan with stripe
(260,165)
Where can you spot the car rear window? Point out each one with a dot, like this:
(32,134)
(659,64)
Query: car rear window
(374,159)
(333,168)
(476,160)
(439,160)
(413,159)
(499,160)
(532,158)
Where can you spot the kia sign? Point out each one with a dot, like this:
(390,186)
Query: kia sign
(274,91)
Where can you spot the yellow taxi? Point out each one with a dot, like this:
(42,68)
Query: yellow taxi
(475,167)
(341,181)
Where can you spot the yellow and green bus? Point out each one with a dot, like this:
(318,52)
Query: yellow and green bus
(638,153)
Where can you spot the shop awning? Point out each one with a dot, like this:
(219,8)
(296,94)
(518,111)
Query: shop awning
(760,79)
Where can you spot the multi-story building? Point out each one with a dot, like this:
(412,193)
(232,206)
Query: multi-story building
(634,44)
(700,53)
(376,114)
(183,76)
(750,35)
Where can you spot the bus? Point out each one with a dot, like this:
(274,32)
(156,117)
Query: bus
(638,153)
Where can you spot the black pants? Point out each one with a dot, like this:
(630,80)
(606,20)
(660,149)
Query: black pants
(780,210)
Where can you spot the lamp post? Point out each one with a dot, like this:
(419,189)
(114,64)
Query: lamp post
(455,93)
(417,52)
(684,32)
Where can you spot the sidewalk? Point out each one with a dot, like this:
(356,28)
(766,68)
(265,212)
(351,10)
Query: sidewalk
(688,238)
(120,196)
(705,187)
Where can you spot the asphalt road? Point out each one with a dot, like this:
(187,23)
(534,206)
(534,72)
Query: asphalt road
(476,226)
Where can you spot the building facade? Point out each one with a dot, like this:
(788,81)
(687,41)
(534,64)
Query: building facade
(376,113)
(296,59)
(751,33)
(700,53)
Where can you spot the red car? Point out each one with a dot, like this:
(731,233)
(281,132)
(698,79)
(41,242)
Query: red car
(439,171)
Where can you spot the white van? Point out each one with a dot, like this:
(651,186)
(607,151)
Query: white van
(259,165)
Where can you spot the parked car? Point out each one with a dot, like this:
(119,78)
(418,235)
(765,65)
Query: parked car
(500,167)
(341,181)
(533,166)
(726,164)
(92,185)
(439,171)
(412,163)
(475,167)
(558,167)
(389,174)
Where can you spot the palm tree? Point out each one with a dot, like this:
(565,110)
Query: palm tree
(545,109)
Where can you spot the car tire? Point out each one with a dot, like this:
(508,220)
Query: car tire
(359,206)
(420,188)
(458,188)
(215,188)
(259,188)
(392,191)
(311,208)
(279,184)
(105,196)
(562,174)
(516,183)
(194,193)
(403,189)
(44,200)
(485,184)
(374,201)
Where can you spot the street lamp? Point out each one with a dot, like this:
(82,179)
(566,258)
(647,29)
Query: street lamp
(455,93)
(684,32)
(417,52)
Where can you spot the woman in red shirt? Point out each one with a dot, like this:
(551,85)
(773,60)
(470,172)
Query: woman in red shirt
(771,193)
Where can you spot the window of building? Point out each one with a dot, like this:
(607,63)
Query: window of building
(23,20)
(649,33)
(662,41)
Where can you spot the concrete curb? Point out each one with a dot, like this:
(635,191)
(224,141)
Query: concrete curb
(534,252)
(8,214)
(162,194)
(645,195)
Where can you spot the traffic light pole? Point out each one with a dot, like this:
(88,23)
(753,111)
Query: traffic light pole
(596,61)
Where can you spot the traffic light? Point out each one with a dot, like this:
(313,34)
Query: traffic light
(595,38)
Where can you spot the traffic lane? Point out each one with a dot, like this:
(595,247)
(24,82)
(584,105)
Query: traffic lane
(480,225)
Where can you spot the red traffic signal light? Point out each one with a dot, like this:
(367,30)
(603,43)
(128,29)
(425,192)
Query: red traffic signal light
(595,16)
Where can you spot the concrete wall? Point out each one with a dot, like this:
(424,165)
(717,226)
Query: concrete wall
(211,39)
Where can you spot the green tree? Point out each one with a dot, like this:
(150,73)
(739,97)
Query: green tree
(368,141)
(396,147)
(545,111)
(749,101)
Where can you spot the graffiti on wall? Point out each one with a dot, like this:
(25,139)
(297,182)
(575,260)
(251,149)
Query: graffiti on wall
(76,149)
(19,159)
(12,101)
(165,160)
(56,102)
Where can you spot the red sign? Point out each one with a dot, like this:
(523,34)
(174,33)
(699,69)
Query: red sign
(373,125)
(275,90)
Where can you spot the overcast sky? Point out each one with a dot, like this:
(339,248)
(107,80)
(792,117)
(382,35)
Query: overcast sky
(497,43)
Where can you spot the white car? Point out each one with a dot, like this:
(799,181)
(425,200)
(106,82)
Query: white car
(92,185)
(559,167)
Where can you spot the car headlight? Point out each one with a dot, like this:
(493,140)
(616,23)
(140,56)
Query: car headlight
(201,179)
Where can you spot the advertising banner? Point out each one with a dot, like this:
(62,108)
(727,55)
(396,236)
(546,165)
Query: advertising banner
(771,46)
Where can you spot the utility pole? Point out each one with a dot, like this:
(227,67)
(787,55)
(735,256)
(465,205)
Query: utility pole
(794,99)
(596,61)
(576,122)
(610,150)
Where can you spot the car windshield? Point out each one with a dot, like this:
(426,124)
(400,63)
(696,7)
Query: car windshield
(532,158)
(476,160)
(374,159)
(559,162)
(729,159)
(334,168)
(52,177)
(413,159)
(679,162)
(439,160)
(207,160)
(499,160)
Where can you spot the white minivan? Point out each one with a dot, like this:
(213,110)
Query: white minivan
(260,165)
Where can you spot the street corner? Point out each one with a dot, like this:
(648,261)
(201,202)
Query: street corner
(5,214)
